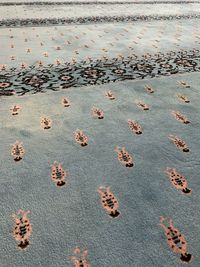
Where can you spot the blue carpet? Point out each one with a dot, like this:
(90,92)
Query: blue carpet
(71,215)
(100,156)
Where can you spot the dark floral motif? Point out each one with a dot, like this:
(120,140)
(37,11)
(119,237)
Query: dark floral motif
(65,75)
(166,66)
(66,78)
(143,67)
(92,19)
(185,62)
(95,2)
(92,73)
(36,79)
(4,85)
(7,92)
(119,71)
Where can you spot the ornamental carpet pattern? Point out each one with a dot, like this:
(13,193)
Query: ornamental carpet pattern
(99,104)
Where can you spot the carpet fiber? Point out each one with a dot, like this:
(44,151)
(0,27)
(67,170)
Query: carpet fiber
(99,134)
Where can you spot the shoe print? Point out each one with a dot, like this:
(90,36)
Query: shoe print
(46,123)
(58,174)
(80,258)
(178,180)
(17,151)
(180,117)
(109,202)
(149,89)
(81,138)
(135,127)
(124,157)
(183,98)
(65,102)
(142,105)
(15,110)
(110,95)
(184,84)
(175,240)
(179,143)
(97,113)
(22,229)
